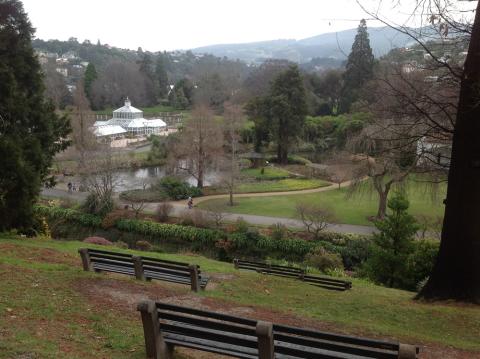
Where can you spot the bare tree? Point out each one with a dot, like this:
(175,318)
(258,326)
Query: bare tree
(84,140)
(199,146)
(215,213)
(383,158)
(314,217)
(233,123)
(341,168)
(137,207)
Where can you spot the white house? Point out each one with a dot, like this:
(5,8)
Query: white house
(131,121)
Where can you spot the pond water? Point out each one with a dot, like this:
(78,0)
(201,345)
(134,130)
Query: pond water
(137,178)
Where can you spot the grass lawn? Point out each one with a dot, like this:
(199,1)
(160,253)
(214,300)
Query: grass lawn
(50,308)
(269,173)
(349,210)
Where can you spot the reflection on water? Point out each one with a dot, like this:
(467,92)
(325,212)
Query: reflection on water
(138,178)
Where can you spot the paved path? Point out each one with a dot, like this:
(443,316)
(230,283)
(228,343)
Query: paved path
(181,206)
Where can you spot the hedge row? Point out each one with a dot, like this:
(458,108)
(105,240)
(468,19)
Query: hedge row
(84,219)
(249,243)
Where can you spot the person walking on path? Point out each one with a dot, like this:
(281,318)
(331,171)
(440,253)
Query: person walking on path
(69,185)
(190,203)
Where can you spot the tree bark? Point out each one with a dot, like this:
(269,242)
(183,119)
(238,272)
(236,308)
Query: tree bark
(382,204)
(456,274)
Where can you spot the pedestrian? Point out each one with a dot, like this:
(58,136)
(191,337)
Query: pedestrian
(69,185)
(190,203)
(74,187)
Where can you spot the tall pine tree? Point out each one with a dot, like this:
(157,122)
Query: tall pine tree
(161,77)
(283,110)
(89,77)
(30,131)
(359,68)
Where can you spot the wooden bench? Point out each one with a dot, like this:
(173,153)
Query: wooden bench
(166,326)
(293,272)
(143,268)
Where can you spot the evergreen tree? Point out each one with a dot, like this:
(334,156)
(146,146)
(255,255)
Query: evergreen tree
(162,77)
(393,244)
(359,68)
(30,131)
(89,77)
(283,111)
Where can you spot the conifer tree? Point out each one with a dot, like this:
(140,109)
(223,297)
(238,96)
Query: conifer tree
(162,77)
(359,68)
(30,131)
(89,77)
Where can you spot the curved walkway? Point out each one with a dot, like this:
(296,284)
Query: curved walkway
(181,206)
(270,194)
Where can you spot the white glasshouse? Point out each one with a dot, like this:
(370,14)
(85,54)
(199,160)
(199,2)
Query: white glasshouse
(129,120)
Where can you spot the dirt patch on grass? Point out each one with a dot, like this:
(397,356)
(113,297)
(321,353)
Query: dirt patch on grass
(44,255)
(123,295)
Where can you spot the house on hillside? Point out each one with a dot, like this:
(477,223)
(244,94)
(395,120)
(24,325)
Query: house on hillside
(128,121)
(434,152)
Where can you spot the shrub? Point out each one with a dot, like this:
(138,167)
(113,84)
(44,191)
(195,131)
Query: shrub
(143,246)
(355,252)
(323,260)
(98,240)
(194,217)
(177,189)
(420,262)
(241,225)
(392,246)
(57,213)
(98,205)
(111,218)
(163,211)
(279,231)
(121,244)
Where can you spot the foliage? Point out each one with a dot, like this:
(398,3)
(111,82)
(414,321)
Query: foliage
(160,232)
(177,189)
(323,260)
(30,130)
(70,215)
(98,205)
(392,245)
(355,252)
(420,262)
(282,111)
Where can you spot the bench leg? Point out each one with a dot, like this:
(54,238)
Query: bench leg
(264,332)
(195,283)
(86,262)
(138,266)
(407,351)
(155,345)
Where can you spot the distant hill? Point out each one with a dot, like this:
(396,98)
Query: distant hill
(335,45)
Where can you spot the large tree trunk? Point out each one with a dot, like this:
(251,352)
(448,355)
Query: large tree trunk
(382,204)
(456,274)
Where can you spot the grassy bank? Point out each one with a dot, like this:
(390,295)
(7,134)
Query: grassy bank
(50,308)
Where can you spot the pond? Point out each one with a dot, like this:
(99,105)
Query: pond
(129,179)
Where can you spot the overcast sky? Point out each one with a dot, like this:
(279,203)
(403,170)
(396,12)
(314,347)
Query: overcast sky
(182,24)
